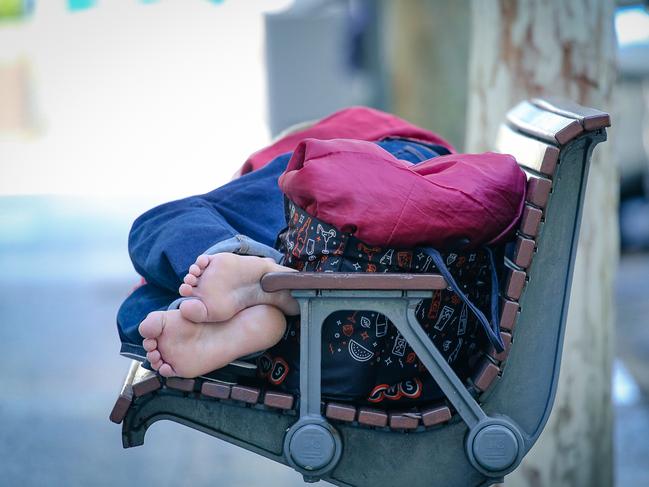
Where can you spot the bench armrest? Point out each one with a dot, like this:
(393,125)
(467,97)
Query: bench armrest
(277,281)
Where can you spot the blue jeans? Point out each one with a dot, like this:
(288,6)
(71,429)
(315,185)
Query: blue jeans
(243,216)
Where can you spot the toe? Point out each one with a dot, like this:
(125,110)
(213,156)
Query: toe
(149,344)
(156,365)
(185,290)
(167,370)
(190,279)
(193,310)
(153,356)
(195,270)
(202,261)
(152,325)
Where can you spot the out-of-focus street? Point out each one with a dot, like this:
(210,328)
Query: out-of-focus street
(60,285)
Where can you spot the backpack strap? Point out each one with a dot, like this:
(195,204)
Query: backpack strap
(491,328)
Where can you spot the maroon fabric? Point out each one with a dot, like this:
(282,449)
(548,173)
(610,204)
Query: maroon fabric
(360,123)
(358,187)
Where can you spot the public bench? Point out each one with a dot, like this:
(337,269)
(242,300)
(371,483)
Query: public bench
(486,425)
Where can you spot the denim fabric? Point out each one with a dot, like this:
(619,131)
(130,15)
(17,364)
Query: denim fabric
(166,240)
(243,245)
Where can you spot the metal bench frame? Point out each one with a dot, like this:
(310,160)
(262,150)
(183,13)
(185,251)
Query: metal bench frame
(499,415)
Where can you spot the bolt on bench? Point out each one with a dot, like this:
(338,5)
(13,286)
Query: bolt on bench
(486,425)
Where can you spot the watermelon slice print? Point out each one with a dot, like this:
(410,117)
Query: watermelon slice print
(359,352)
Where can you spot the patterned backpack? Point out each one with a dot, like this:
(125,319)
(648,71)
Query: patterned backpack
(364,358)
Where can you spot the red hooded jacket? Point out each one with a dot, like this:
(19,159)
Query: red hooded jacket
(358,187)
(359,123)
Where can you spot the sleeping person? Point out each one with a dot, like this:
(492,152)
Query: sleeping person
(359,191)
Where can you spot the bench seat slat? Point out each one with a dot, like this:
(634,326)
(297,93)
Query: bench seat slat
(404,421)
(529,153)
(372,417)
(180,384)
(436,415)
(279,400)
(538,190)
(120,408)
(125,397)
(245,394)
(590,118)
(508,314)
(514,284)
(340,412)
(523,252)
(145,382)
(542,124)
(485,375)
(507,340)
(530,221)
(216,390)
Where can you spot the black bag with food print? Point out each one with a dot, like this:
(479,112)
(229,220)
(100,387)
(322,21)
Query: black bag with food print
(364,357)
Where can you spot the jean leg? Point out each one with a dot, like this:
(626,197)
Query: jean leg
(166,240)
(134,309)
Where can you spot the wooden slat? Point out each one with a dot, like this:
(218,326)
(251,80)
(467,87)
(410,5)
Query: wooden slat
(538,190)
(436,415)
(125,397)
(279,400)
(485,375)
(508,314)
(404,421)
(245,394)
(145,382)
(530,221)
(528,152)
(542,124)
(590,118)
(372,417)
(514,284)
(277,281)
(340,412)
(180,384)
(523,252)
(121,406)
(215,390)
(507,340)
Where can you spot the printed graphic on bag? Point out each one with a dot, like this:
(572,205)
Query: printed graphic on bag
(364,357)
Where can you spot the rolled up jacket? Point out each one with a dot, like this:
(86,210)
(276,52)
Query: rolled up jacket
(358,187)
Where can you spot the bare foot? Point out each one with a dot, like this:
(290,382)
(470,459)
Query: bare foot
(178,347)
(227,283)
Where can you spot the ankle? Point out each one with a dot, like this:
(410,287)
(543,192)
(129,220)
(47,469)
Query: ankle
(269,265)
(265,325)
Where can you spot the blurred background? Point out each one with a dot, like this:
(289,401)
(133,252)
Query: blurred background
(109,107)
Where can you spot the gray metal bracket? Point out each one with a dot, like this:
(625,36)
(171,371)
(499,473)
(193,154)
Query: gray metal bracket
(494,445)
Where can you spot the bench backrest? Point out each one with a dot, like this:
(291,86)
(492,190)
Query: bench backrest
(552,140)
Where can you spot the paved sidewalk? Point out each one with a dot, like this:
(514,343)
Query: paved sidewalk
(59,342)
(63,273)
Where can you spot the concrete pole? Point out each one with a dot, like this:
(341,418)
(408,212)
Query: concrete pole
(522,49)
(427,44)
